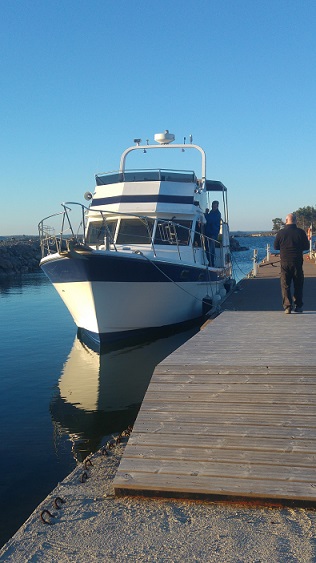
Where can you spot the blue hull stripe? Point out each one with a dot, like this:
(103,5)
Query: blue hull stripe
(99,342)
(153,198)
(114,268)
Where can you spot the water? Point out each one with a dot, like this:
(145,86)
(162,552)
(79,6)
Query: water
(242,261)
(59,400)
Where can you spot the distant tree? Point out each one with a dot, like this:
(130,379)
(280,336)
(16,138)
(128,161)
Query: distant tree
(305,217)
(277,224)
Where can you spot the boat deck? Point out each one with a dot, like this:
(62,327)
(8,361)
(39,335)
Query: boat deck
(232,412)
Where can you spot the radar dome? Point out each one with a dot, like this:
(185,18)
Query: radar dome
(164,138)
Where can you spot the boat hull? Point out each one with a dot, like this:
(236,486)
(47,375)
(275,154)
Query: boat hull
(113,296)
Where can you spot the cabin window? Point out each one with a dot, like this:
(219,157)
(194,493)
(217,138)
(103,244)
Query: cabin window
(135,231)
(178,232)
(98,230)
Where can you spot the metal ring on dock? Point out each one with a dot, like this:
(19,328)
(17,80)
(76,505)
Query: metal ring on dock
(49,514)
(84,477)
(87,462)
(57,501)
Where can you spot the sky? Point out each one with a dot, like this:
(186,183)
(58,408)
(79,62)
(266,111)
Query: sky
(80,79)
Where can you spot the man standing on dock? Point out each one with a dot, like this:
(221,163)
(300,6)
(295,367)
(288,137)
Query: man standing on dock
(291,242)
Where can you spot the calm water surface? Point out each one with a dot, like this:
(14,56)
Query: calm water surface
(59,400)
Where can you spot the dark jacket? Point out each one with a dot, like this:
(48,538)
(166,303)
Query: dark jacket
(213,223)
(291,242)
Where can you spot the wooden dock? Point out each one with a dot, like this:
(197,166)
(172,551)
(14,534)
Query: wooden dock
(232,412)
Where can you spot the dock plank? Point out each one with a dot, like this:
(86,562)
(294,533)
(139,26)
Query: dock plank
(240,470)
(221,455)
(227,442)
(212,430)
(287,409)
(231,419)
(197,395)
(221,486)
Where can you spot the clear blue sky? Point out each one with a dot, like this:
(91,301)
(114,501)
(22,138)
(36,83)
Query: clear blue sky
(80,79)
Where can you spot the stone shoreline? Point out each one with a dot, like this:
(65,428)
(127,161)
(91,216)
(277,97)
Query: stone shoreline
(19,256)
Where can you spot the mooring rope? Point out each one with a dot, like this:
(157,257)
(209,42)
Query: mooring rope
(179,286)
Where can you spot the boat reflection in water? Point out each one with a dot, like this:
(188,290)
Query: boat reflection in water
(99,394)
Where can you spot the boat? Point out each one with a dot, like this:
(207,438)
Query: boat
(139,261)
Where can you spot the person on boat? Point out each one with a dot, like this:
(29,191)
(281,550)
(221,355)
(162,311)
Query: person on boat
(212,228)
(291,241)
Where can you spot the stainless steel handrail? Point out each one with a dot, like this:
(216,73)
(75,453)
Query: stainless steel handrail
(52,243)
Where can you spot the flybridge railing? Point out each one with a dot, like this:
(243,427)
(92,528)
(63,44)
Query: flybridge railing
(63,237)
(145,175)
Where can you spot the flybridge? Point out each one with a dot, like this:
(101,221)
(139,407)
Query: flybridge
(145,176)
(156,175)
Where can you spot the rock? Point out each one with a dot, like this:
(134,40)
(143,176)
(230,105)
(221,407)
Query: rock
(235,246)
(19,256)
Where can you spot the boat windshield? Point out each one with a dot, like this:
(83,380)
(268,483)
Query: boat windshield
(135,231)
(98,230)
(173,233)
(138,230)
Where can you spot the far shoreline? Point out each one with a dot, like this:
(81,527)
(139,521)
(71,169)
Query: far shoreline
(32,238)
(253,233)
